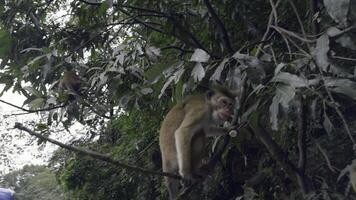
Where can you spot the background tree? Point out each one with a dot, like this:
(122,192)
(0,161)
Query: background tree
(293,64)
(34,182)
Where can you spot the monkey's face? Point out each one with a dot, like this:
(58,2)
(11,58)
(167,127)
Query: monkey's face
(223,108)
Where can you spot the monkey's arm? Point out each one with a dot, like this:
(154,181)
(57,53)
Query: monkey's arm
(191,123)
(183,136)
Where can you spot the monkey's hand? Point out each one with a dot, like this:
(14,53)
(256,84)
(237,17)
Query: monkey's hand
(232,131)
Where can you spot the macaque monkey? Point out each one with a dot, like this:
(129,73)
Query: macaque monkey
(184,130)
(71,83)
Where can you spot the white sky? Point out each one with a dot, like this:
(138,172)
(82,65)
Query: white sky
(31,154)
(19,147)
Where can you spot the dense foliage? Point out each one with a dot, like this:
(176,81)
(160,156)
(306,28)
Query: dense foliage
(293,63)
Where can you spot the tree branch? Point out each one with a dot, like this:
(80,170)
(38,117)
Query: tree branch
(120,7)
(125,6)
(96,155)
(37,23)
(225,35)
(302,129)
(32,111)
(276,152)
(314,9)
(268,29)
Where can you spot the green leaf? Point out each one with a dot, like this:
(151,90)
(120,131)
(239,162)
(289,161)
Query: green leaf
(103,8)
(37,103)
(5,43)
(41,127)
(33,91)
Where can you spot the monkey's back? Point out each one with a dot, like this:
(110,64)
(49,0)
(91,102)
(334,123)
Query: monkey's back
(172,122)
(166,134)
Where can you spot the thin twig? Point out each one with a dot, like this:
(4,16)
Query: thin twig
(31,111)
(344,58)
(299,21)
(286,42)
(300,48)
(322,151)
(274,11)
(125,6)
(334,105)
(290,33)
(225,35)
(267,32)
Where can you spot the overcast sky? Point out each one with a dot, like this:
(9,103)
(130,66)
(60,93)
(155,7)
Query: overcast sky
(12,140)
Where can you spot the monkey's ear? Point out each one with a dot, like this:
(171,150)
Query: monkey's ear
(209,94)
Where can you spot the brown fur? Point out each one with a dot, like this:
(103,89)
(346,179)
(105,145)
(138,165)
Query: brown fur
(184,131)
(70,82)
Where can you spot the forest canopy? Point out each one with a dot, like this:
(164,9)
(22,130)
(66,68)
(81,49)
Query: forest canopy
(293,63)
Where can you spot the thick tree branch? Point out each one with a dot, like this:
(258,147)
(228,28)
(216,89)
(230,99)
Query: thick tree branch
(223,31)
(96,155)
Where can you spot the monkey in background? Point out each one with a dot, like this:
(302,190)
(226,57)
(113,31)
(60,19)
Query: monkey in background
(71,83)
(184,130)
